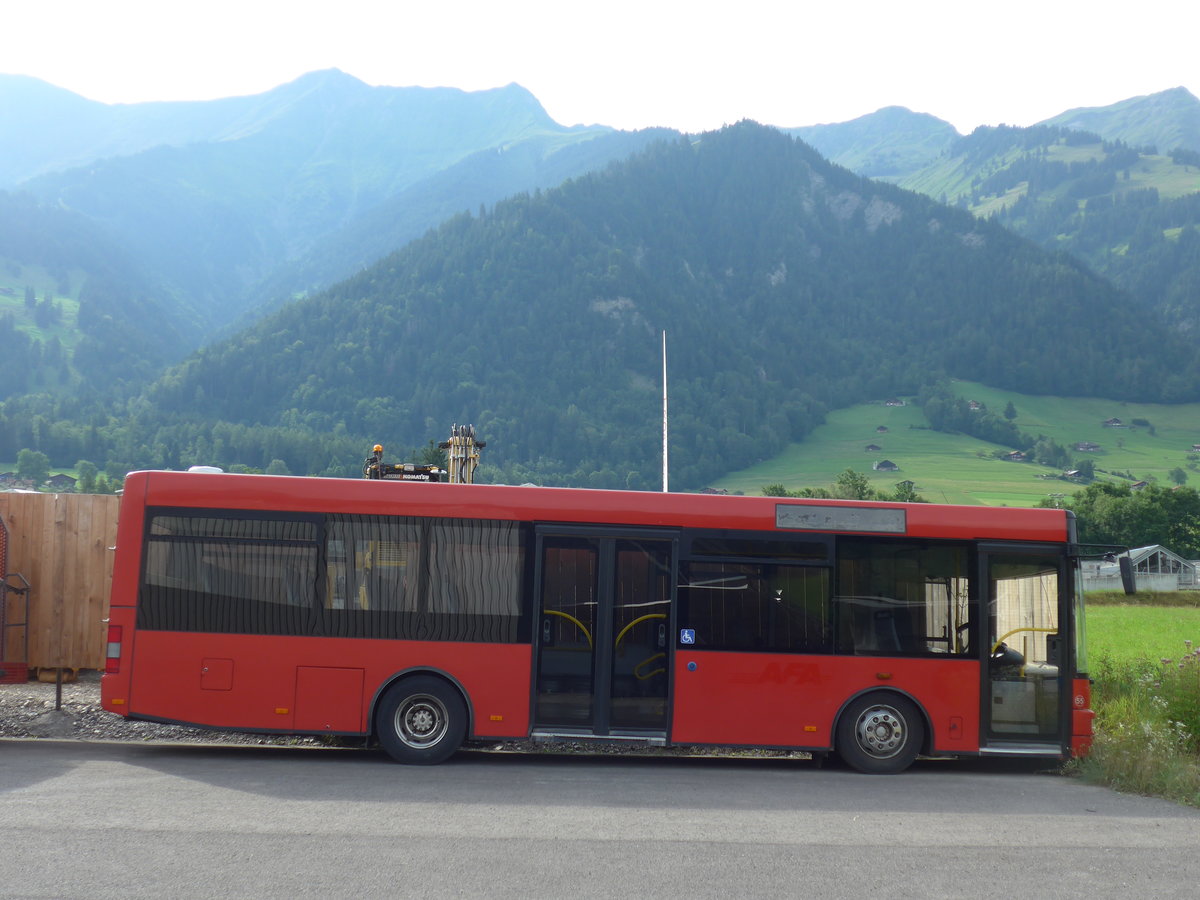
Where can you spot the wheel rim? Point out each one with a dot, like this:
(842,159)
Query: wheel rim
(421,721)
(881,731)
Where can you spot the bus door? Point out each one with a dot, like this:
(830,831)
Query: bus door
(604,602)
(1026,672)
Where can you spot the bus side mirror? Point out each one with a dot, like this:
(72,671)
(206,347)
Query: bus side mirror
(1128,581)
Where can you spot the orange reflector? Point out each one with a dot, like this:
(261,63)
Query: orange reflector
(883,676)
(118,702)
(281,710)
(810,727)
(497,718)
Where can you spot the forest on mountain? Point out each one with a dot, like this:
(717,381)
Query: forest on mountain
(787,286)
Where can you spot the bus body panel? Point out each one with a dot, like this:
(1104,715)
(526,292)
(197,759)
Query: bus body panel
(789,700)
(315,684)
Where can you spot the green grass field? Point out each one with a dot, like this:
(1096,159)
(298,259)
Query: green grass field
(1141,632)
(956,468)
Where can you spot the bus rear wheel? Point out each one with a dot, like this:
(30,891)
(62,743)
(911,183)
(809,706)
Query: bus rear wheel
(880,734)
(421,720)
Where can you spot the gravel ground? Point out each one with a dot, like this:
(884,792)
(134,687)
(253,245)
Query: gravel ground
(27,711)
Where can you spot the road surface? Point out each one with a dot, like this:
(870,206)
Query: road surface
(94,820)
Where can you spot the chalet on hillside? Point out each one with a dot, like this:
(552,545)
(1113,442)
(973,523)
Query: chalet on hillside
(885,465)
(882,429)
(872,448)
(1015,456)
(1113,423)
(1087,446)
(894,401)
(974,405)
(61,482)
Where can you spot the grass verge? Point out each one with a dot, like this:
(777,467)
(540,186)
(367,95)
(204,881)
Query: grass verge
(1147,724)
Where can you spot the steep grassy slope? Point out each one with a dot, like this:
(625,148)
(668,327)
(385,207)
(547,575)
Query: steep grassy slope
(1165,120)
(887,144)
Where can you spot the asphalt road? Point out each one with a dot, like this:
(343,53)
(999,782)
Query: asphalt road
(94,820)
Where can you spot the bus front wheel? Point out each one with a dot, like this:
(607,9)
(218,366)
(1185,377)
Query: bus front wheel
(421,720)
(880,734)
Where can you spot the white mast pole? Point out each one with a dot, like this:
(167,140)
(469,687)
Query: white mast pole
(664,452)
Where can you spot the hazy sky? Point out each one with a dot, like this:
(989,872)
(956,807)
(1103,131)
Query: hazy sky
(688,65)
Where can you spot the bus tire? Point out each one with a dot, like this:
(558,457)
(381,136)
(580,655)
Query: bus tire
(880,734)
(421,720)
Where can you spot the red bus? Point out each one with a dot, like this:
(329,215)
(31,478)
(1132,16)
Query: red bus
(426,615)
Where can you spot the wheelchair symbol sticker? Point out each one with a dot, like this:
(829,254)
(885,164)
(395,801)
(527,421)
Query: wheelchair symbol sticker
(687,636)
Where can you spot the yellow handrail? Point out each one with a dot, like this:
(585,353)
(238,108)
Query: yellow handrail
(649,659)
(570,618)
(1005,637)
(617,642)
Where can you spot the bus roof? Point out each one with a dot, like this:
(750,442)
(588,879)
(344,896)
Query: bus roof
(589,506)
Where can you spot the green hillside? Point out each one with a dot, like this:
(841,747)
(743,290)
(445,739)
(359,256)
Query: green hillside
(108,321)
(992,168)
(956,468)
(14,278)
(885,144)
(1129,214)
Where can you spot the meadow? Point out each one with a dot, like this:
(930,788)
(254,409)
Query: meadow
(957,468)
(1141,632)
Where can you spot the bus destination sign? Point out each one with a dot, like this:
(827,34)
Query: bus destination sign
(840,518)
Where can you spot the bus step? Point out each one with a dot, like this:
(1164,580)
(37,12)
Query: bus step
(1015,748)
(648,740)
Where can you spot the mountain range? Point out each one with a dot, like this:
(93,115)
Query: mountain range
(215,197)
(895,142)
(787,284)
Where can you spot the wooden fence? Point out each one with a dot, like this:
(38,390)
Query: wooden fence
(63,545)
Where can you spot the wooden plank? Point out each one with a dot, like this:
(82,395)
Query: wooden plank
(48,596)
(74,513)
(102,541)
(24,525)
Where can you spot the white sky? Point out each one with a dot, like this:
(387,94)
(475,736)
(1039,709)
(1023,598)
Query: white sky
(688,65)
